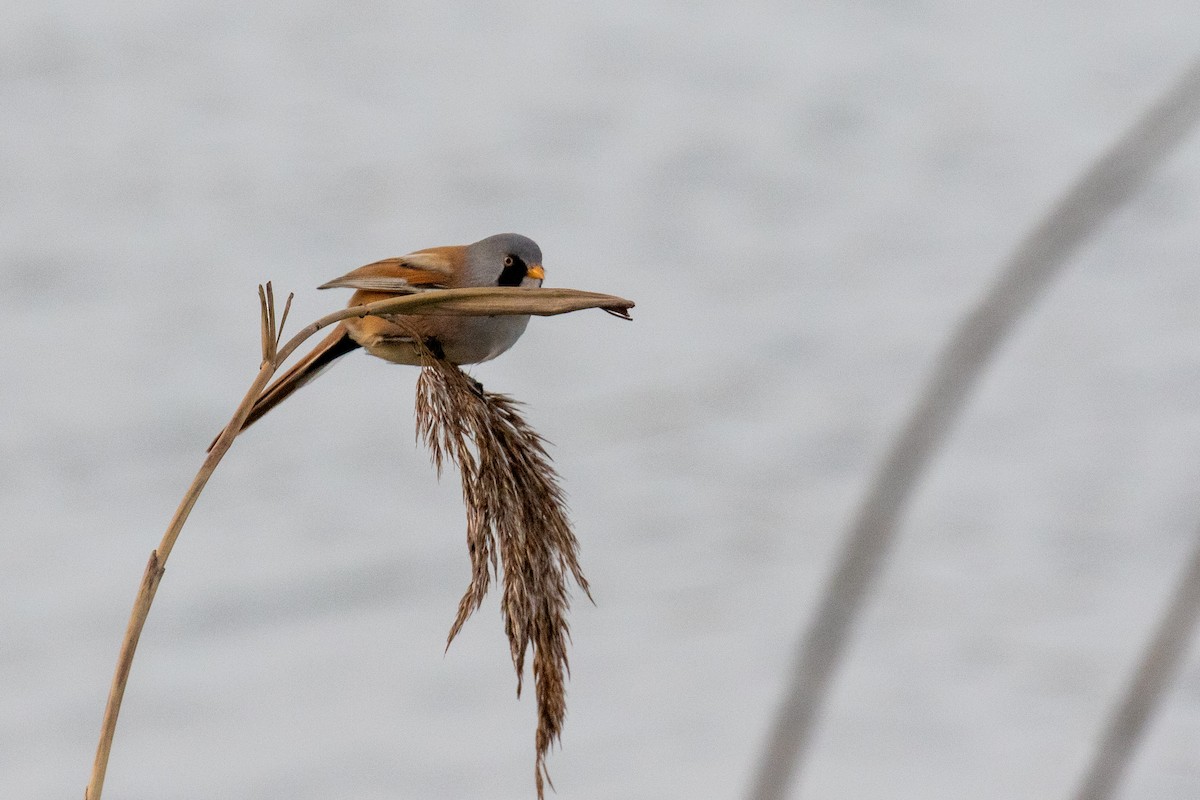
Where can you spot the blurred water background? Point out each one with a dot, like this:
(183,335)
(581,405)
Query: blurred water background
(803,199)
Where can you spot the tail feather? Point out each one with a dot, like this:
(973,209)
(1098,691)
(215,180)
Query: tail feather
(333,347)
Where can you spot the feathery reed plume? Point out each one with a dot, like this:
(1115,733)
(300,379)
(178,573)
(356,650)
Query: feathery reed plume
(516,514)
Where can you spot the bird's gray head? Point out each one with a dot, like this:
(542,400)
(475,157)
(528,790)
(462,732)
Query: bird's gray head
(506,259)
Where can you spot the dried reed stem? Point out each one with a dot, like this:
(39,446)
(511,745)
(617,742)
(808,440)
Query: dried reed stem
(516,514)
(482,301)
(158,558)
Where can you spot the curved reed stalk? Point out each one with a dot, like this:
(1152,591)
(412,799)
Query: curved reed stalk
(1154,673)
(481,301)
(1109,182)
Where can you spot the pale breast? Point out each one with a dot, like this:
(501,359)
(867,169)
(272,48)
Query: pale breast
(462,340)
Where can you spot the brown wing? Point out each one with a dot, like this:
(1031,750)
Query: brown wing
(436,268)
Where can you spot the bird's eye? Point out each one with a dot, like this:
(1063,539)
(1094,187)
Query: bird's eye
(513,273)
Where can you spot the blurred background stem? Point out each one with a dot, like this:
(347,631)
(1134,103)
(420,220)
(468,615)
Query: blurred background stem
(1040,257)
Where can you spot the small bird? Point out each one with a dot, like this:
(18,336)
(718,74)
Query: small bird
(506,259)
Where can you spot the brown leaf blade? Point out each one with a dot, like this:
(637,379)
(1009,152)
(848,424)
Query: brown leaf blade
(485,301)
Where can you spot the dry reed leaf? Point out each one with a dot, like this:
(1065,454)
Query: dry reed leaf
(517,519)
(487,300)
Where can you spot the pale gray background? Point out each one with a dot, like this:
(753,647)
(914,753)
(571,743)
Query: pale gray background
(802,198)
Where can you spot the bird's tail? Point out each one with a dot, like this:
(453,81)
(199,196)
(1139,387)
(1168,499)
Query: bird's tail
(331,348)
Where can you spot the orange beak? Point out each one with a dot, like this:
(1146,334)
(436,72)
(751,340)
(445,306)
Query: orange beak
(535,271)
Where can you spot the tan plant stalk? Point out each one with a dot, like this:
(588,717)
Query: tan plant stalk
(158,558)
(481,301)
(516,510)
